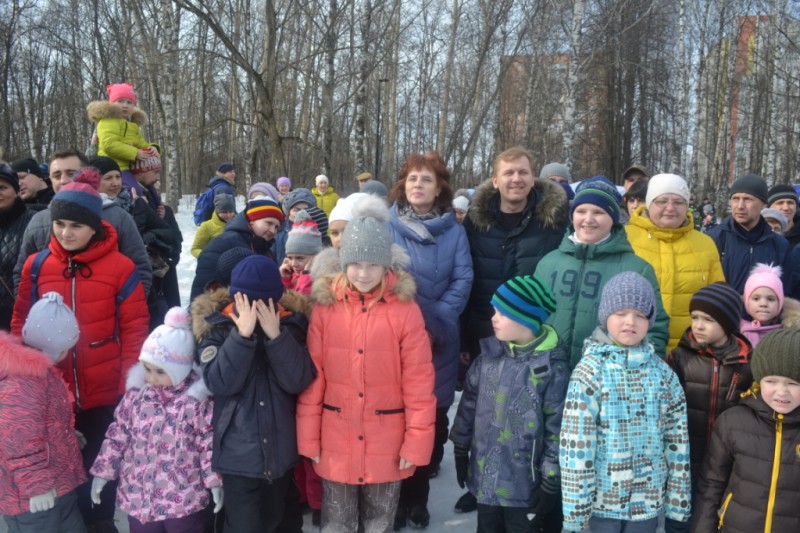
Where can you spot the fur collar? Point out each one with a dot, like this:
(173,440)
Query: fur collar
(19,360)
(401,284)
(100,109)
(327,261)
(196,390)
(551,209)
(790,315)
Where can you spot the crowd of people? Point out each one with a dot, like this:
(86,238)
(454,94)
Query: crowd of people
(619,359)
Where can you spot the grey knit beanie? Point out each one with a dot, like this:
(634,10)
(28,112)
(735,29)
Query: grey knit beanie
(778,354)
(296,196)
(224,203)
(304,237)
(555,169)
(51,326)
(366,237)
(751,184)
(627,290)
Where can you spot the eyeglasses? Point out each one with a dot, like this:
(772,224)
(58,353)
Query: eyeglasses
(663,202)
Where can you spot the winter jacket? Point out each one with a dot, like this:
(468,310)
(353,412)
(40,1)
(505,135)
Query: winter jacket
(740,251)
(255,382)
(577,273)
(372,401)
(624,441)
(300,282)
(754,330)
(117,137)
(111,335)
(684,260)
(159,446)
(741,487)
(13,222)
(442,267)
(41,200)
(326,201)
(207,231)
(278,249)
(712,379)
(129,242)
(237,233)
(793,234)
(499,254)
(509,417)
(38,448)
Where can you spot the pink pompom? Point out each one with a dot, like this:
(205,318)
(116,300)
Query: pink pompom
(179,318)
(88,175)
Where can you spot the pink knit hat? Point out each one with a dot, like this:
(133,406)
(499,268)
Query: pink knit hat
(120,90)
(768,276)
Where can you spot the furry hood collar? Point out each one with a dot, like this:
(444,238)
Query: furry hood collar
(401,284)
(551,209)
(19,360)
(100,109)
(193,386)
(327,261)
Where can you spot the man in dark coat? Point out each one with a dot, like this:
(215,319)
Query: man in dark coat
(14,218)
(34,186)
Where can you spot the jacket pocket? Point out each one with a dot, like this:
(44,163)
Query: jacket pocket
(390,411)
(331,408)
(723,509)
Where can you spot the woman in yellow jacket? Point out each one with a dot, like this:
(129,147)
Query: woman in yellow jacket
(662,233)
(224,210)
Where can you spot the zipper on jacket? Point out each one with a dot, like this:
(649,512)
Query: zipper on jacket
(75,356)
(390,411)
(331,408)
(732,390)
(723,510)
(714,390)
(776,468)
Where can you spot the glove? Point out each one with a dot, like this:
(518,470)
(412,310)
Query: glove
(461,455)
(545,498)
(675,526)
(218,495)
(97,487)
(43,502)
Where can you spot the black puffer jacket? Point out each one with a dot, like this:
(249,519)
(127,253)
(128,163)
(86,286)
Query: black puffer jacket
(499,254)
(41,200)
(12,226)
(739,479)
(713,379)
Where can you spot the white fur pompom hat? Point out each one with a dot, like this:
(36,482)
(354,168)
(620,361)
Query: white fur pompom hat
(171,345)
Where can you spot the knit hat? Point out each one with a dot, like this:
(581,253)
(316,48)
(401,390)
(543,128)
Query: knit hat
(283,180)
(263,207)
(777,355)
(721,302)
(171,345)
(367,236)
(88,176)
(79,201)
(764,275)
(226,167)
(321,178)
(627,290)
(227,262)
(525,300)
(776,215)
(364,176)
(264,189)
(777,192)
(224,203)
(28,165)
(666,184)
(120,90)
(601,192)
(296,196)
(10,175)
(343,210)
(51,326)
(375,188)
(461,203)
(304,237)
(555,169)
(258,278)
(570,192)
(752,185)
(145,165)
(104,164)
(320,219)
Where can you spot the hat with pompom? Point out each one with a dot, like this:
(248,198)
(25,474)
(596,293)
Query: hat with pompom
(304,237)
(171,345)
(367,237)
(51,326)
(764,275)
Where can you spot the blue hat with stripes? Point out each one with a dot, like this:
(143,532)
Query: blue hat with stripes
(526,300)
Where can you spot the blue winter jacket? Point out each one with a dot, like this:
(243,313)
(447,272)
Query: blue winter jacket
(442,267)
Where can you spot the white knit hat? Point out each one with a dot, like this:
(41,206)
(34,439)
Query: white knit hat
(461,202)
(666,184)
(343,210)
(171,345)
(51,326)
(320,178)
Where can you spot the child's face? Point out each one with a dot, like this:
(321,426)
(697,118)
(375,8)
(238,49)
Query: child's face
(365,275)
(706,330)
(507,330)
(125,105)
(296,208)
(265,228)
(298,262)
(156,376)
(591,223)
(628,327)
(763,305)
(780,393)
(73,236)
(336,230)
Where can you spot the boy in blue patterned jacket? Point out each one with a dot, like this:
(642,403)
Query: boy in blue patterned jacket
(624,436)
(505,433)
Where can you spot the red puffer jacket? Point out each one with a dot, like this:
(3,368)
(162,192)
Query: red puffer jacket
(109,345)
(372,401)
(38,448)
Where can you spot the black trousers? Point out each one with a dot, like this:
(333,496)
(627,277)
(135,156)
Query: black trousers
(93,423)
(255,505)
(415,489)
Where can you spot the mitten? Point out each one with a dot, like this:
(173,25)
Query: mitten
(461,455)
(545,498)
(97,487)
(218,495)
(43,502)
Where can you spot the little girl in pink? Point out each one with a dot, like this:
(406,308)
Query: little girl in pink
(765,304)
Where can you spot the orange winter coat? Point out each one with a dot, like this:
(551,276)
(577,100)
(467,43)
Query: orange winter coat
(372,401)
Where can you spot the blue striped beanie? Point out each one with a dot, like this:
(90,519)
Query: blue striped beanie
(601,192)
(525,300)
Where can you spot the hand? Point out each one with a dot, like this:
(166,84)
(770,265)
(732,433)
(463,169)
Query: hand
(461,455)
(268,318)
(405,463)
(545,498)
(43,502)
(143,154)
(286,268)
(81,439)
(245,316)
(134,194)
(218,495)
(97,487)
(161,211)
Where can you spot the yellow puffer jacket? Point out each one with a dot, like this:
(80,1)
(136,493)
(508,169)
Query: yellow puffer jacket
(118,138)
(207,231)
(684,259)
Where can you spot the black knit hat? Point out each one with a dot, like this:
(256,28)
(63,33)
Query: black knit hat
(752,185)
(228,261)
(78,202)
(781,192)
(258,278)
(10,175)
(778,354)
(721,302)
(104,164)
(28,165)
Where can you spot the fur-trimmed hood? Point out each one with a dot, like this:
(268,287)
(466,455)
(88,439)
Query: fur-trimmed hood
(400,284)
(193,386)
(328,262)
(100,109)
(790,316)
(17,359)
(551,209)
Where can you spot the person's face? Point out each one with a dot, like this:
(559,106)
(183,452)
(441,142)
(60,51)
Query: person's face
(322,187)
(156,376)
(514,181)
(630,179)
(336,231)
(111,183)
(421,190)
(146,179)
(230,175)
(361,183)
(30,185)
(706,330)
(62,170)
(746,209)
(627,327)
(591,223)
(125,105)
(284,188)
(633,203)
(298,262)
(784,205)
(558,179)
(775,225)
(365,275)
(507,330)
(7,195)
(225,216)
(73,236)
(763,305)
(460,215)
(296,208)
(265,228)
(780,393)
(668,211)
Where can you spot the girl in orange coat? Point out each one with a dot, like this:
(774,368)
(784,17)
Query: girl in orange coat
(368,418)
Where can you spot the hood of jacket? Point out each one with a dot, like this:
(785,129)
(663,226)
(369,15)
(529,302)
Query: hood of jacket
(617,243)
(192,386)
(399,284)
(790,316)
(19,360)
(753,400)
(641,219)
(239,223)
(327,261)
(100,109)
(604,347)
(549,207)
(736,351)
(328,192)
(420,230)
